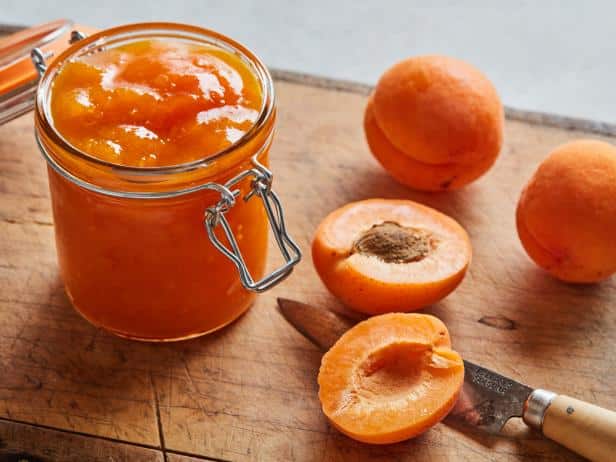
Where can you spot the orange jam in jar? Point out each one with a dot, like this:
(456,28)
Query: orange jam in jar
(155,103)
(157,137)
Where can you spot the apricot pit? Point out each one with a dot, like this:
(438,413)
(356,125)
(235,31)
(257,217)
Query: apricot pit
(393,243)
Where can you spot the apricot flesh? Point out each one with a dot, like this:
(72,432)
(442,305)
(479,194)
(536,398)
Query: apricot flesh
(390,378)
(435,123)
(566,214)
(382,255)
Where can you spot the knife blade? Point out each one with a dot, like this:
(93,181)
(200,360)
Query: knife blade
(488,400)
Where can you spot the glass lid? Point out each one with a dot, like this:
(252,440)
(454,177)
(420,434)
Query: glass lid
(19,75)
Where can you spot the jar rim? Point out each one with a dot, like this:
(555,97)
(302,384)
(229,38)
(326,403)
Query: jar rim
(144,30)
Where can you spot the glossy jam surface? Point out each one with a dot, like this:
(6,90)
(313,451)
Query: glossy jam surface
(145,268)
(155,103)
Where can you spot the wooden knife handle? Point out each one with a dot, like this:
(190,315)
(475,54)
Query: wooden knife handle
(584,428)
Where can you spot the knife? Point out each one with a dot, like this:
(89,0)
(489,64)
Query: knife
(489,399)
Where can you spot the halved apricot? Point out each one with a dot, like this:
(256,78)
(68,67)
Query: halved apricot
(382,255)
(390,378)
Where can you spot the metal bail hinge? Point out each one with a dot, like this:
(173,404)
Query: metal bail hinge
(261,186)
(39,58)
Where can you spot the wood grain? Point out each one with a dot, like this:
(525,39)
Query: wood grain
(26,443)
(249,392)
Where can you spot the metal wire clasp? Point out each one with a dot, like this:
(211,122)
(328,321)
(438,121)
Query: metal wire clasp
(39,58)
(214,216)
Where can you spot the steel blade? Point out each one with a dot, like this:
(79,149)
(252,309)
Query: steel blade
(487,399)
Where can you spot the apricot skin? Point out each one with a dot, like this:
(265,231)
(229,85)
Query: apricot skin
(416,174)
(435,123)
(439,109)
(566,214)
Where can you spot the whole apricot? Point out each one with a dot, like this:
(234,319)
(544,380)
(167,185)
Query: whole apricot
(566,215)
(435,123)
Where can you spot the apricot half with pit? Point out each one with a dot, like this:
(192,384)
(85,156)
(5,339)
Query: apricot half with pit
(390,378)
(435,123)
(382,255)
(566,215)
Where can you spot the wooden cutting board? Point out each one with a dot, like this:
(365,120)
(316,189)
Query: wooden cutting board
(71,392)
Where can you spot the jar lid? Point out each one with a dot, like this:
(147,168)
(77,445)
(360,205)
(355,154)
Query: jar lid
(19,73)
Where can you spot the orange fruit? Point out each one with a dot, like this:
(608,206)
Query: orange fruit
(566,215)
(390,378)
(383,255)
(435,123)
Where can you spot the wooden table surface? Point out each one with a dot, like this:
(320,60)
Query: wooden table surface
(69,391)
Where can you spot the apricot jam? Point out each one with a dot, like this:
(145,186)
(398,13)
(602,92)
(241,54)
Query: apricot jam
(154,103)
(143,127)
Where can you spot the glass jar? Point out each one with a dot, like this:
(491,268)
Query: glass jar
(163,253)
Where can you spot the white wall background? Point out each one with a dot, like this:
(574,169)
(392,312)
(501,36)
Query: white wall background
(545,55)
